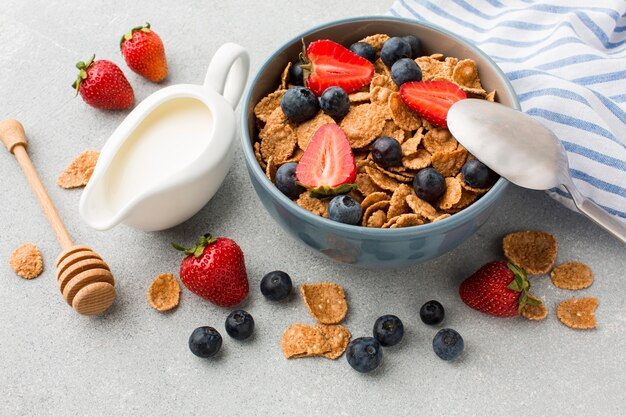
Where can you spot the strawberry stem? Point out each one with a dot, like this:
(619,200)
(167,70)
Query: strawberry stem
(129,35)
(521,284)
(197,250)
(82,72)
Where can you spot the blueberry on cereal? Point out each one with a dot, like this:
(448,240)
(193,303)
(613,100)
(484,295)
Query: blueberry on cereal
(296,75)
(335,102)
(415,44)
(286,180)
(344,209)
(405,70)
(395,49)
(475,173)
(364,50)
(299,104)
(387,152)
(429,184)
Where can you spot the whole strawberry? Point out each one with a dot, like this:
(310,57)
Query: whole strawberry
(497,288)
(102,85)
(144,53)
(215,270)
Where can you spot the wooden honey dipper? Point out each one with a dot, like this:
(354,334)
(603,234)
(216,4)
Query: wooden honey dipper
(84,279)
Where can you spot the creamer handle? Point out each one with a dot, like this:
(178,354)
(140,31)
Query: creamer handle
(228,72)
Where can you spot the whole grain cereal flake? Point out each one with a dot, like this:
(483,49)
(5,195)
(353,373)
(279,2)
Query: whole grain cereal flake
(377,41)
(326,302)
(306,130)
(374,198)
(539,311)
(337,337)
(402,115)
(534,252)
(376,219)
(164,292)
(268,104)
(312,204)
(300,340)
(363,124)
(79,171)
(572,276)
(380,206)
(279,141)
(26,261)
(578,313)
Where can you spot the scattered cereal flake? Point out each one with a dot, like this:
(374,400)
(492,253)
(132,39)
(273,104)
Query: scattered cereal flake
(268,105)
(279,141)
(408,220)
(377,219)
(534,252)
(257,154)
(418,160)
(363,124)
(578,313)
(491,96)
(374,198)
(312,204)
(377,41)
(534,312)
(465,74)
(404,117)
(381,180)
(398,204)
(300,340)
(306,130)
(338,338)
(449,164)
(422,207)
(78,172)
(270,170)
(572,276)
(26,261)
(326,301)
(285,76)
(452,195)
(365,185)
(439,140)
(164,292)
(381,205)
(384,81)
(359,97)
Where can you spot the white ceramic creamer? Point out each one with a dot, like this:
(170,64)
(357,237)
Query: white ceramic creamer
(170,155)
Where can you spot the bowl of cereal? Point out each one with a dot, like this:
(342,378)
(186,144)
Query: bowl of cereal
(370,175)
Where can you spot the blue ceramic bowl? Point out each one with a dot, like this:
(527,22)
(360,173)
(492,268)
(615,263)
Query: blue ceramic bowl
(361,246)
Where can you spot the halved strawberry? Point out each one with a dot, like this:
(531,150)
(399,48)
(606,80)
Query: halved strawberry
(327,166)
(326,63)
(431,99)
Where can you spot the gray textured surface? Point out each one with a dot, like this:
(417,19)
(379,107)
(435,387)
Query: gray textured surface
(135,361)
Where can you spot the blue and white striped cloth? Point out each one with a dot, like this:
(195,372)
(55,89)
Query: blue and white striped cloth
(567,62)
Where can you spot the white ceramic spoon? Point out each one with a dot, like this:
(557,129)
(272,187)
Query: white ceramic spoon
(523,151)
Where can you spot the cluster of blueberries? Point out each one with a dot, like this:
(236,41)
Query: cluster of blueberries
(365,354)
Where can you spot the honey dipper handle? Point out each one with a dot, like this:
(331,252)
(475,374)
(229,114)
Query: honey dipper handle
(13,136)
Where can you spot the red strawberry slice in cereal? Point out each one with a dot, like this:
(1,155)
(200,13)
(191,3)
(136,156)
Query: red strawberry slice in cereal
(431,99)
(327,166)
(327,64)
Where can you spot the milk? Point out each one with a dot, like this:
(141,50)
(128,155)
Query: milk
(164,143)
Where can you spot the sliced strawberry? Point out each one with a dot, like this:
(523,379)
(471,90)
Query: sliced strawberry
(431,99)
(328,64)
(327,166)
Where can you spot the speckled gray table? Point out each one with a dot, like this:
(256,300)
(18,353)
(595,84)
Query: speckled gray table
(135,361)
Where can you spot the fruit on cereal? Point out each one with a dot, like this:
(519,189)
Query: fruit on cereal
(405,70)
(215,270)
(388,330)
(239,325)
(26,261)
(394,49)
(578,313)
(285,180)
(144,53)
(431,99)
(299,104)
(429,184)
(327,64)
(533,251)
(327,166)
(432,313)
(498,288)
(296,75)
(276,285)
(205,342)
(572,276)
(415,44)
(335,102)
(364,354)
(344,209)
(365,50)
(475,173)
(448,344)
(387,152)
(102,85)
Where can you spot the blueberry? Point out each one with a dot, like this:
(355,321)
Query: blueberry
(364,354)
(405,70)
(432,312)
(335,102)
(429,184)
(286,180)
(387,152)
(394,49)
(205,342)
(296,75)
(364,50)
(344,209)
(448,344)
(276,286)
(388,330)
(415,44)
(299,104)
(475,173)
(239,324)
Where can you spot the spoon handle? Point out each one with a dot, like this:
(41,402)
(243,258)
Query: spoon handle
(597,214)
